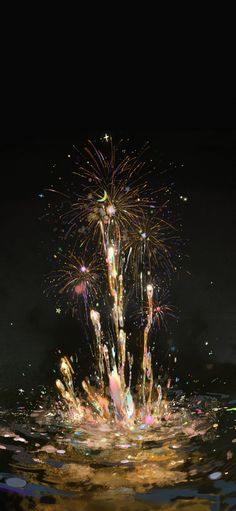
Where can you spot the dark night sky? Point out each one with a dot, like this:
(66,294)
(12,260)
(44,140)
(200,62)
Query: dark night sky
(198,131)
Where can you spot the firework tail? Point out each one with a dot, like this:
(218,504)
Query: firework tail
(67,389)
(147,369)
(99,403)
(95,318)
(117,394)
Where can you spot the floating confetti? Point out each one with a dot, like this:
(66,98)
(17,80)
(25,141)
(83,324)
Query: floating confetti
(215,475)
(20,439)
(16,482)
(48,448)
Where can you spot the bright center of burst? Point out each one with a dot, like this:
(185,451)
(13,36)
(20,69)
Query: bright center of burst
(83,269)
(111,210)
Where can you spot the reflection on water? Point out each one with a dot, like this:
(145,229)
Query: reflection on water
(187,461)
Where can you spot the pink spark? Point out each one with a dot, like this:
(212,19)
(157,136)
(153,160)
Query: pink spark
(80,288)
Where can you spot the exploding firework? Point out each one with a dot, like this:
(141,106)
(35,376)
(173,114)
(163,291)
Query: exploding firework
(117,218)
(114,193)
(77,278)
(149,245)
(162,309)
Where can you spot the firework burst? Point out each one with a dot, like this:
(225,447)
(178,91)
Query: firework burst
(77,277)
(117,218)
(148,243)
(162,309)
(114,193)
